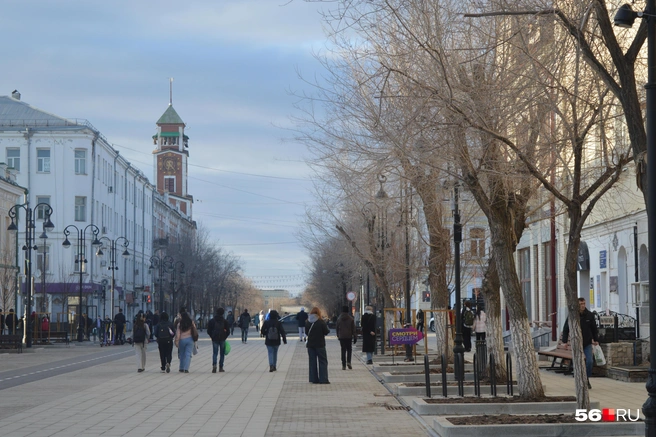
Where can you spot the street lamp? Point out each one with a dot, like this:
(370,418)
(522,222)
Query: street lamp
(625,17)
(81,261)
(30,234)
(162,265)
(407,213)
(44,263)
(112,260)
(458,349)
(181,270)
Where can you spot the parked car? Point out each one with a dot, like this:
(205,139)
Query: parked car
(431,324)
(290,324)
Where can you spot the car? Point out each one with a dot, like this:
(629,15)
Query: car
(431,324)
(290,324)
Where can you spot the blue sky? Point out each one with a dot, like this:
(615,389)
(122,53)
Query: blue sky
(234,63)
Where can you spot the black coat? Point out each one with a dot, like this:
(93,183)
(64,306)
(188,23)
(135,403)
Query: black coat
(588,328)
(316,336)
(368,323)
(281,332)
(218,322)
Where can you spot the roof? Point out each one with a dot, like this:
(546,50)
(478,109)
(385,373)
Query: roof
(170,117)
(14,112)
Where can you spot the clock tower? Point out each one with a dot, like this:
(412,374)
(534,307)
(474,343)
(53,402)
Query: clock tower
(171,154)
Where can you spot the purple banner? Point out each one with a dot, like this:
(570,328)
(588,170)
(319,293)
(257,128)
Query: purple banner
(404,336)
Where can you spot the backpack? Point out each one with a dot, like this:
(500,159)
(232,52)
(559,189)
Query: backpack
(218,331)
(468,318)
(139,335)
(163,331)
(272,333)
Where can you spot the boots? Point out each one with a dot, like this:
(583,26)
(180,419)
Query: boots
(213,369)
(271,368)
(349,366)
(221,369)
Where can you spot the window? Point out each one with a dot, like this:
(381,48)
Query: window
(80,162)
(524,256)
(477,242)
(43,160)
(13,158)
(80,208)
(42,210)
(43,258)
(169,184)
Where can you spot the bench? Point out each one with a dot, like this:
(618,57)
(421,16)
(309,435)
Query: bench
(11,341)
(562,353)
(58,337)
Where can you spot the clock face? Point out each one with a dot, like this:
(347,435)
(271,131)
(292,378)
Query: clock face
(168,165)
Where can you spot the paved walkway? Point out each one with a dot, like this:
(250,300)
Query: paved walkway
(112,399)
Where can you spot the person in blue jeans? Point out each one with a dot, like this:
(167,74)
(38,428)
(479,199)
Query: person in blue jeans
(272,330)
(316,331)
(185,336)
(588,333)
(244,323)
(218,329)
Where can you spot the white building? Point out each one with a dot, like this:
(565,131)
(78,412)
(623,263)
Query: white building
(69,165)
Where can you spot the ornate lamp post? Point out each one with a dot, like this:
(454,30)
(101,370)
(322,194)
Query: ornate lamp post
(179,265)
(625,17)
(30,234)
(44,263)
(112,260)
(458,348)
(81,261)
(162,265)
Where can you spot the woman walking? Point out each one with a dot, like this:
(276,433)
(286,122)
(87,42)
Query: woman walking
(272,330)
(164,331)
(140,334)
(316,331)
(185,337)
(368,323)
(479,325)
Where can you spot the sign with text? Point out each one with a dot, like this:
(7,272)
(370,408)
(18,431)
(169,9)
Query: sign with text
(404,336)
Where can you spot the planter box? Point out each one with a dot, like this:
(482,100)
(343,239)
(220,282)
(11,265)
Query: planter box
(446,429)
(452,390)
(411,368)
(388,377)
(427,409)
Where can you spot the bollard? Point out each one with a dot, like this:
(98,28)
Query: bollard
(477,385)
(481,351)
(509,380)
(459,372)
(493,376)
(445,392)
(427,373)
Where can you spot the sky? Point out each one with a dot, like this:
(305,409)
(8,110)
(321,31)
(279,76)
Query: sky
(236,64)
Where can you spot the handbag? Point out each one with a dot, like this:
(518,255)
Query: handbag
(599,357)
(226,348)
(195,349)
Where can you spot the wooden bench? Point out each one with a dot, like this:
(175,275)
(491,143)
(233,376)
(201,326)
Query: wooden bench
(563,353)
(11,341)
(58,337)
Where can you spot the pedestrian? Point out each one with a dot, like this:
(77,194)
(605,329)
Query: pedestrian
(11,321)
(272,330)
(345,330)
(588,333)
(185,337)
(156,318)
(316,331)
(479,323)
(140,334)
(218,329)
(368,324)
(164,332)
(149,322)
(119,325)
(231,320)
(301,317)
(262,318)
(45,324)
(467,325)
(2,322)
(420,320)
(244,323)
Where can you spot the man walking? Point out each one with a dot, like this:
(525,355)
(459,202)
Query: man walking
(11,321)
(119,325)
(588,334)
(244,323)
(302,318)
(218,329)
(345,329)
(230,318)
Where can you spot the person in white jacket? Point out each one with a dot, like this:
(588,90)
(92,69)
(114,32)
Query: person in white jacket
(479,325)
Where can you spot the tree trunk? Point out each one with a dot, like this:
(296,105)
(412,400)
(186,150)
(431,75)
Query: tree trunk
(493,327)
(529,383)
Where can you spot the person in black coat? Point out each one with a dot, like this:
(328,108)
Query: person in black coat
(165,331)
(316,331)
(272,330)
(368,323)
(589,334)
(218,329)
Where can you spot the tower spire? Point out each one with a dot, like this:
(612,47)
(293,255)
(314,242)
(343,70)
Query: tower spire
(170,91)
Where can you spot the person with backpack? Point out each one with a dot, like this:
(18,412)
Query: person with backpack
(272,330)
(244,323)
(119,324)
(231,320)
(218,329)
(164,332)
(467,325)
(140,335)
